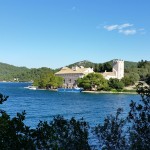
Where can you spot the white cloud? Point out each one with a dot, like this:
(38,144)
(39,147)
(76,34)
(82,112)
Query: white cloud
(128,31)
(111,27)
(126,25)
(126,28)
(117,27)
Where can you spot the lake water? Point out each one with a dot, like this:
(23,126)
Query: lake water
(43,104)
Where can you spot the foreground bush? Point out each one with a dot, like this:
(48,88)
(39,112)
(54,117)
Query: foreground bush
(139,116)
(116,133)
(131,133)
(60,133)
(110,134)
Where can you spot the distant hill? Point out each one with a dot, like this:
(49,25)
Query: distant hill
(9,72)
(12,73)
(86,63)
(127,64)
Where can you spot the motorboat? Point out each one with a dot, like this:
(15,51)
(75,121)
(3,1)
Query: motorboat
(77,89)
(31,87)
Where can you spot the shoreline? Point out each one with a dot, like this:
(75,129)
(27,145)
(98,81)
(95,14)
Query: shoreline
(95,92)
(101,92)
(108,92)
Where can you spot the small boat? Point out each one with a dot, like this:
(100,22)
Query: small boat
(31,87)
(77,89)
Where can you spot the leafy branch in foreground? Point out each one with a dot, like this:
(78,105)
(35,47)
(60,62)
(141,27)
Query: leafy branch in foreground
(59,134)
(115,133)
(14,134)
(129,133)
(110,134)
(139,116)
(62,134)
(2,99)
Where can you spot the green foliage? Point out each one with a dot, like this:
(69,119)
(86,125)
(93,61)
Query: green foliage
(93,81)
(130,78)
(131,133)
(115,133)
(142,64)
(105,67)
(116,84)
(10,72)
(84,63)
(62,134)
(139,116)
(148,79)
(14,134)
(142,69)
(2,100)
(110,134)
(59,134)
(130,64)
(101,67)
(129,91)
(48,80)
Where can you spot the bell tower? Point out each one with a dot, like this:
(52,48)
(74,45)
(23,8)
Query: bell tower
(118,68)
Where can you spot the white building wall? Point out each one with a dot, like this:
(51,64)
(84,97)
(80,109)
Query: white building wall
(70,79)
(108,77)
(89,70)
(118,68)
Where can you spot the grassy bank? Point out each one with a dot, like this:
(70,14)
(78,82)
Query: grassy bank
(113,92)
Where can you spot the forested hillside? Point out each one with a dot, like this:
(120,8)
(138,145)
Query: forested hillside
(11,73)
(138,70)
(100,67)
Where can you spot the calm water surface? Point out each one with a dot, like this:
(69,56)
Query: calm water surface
(43,105)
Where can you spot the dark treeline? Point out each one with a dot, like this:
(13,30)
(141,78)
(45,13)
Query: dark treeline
(11,73)
(133,70)
(116,133)
(138,71)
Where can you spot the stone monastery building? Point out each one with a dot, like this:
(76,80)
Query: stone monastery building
(71,75)
(117,70)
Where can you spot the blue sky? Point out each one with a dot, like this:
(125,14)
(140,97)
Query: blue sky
(55,33)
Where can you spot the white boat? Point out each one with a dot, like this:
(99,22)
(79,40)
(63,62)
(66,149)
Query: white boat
(31,87)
